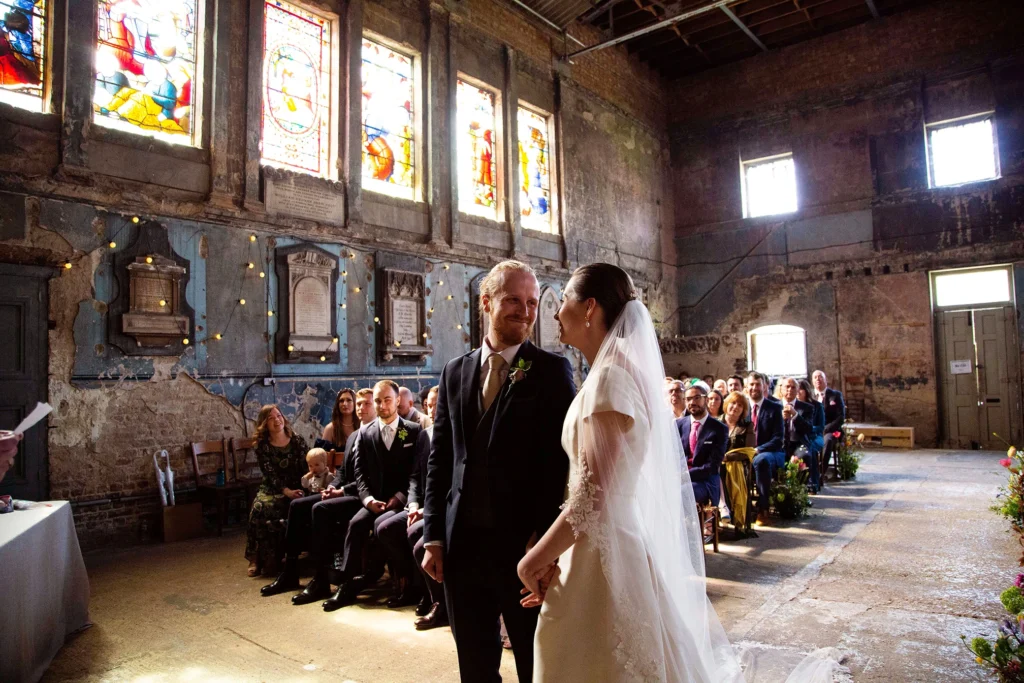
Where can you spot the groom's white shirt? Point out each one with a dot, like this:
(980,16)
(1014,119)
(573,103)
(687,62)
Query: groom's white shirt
(486,352)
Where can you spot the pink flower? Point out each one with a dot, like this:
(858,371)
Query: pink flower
(1019,582)
(1005,462)
(837,434)
(803,466)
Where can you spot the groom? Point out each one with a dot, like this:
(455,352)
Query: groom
(496,474)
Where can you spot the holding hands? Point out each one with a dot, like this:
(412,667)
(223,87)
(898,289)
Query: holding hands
(537,579)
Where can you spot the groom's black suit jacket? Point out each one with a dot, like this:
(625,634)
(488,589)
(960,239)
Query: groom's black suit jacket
(526,468)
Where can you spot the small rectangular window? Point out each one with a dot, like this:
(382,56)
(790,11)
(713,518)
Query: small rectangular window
(778,350)
(23,67)
(534,169)
(972,287)
(389,123)
(769,186)
(962,151)
(298,89)
(147,75)
(478,149)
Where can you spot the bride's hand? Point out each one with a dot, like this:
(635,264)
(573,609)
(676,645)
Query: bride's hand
(544,578)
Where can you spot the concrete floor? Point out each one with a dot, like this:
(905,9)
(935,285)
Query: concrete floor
(891,568)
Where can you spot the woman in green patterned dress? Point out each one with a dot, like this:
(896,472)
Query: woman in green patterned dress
(281,455)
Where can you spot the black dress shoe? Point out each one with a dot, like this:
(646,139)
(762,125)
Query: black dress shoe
(316,589)
(404,599)
(343,597)
(437,616)
(424,605)
(285,582)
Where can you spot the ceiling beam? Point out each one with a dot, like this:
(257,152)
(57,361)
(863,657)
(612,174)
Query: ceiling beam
(743,27)
(871,6)
(806,13)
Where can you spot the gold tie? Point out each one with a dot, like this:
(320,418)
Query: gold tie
(492,382)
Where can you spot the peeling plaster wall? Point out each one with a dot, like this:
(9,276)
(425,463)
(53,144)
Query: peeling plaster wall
(68,188)
(851,266)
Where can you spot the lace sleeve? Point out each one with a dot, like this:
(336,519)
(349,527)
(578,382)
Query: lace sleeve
(584,514)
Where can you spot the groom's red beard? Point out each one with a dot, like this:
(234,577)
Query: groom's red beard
(511,334)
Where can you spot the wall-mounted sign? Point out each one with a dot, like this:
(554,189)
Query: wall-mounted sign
(959,367)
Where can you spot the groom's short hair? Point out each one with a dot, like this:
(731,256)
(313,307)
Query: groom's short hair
(494,282)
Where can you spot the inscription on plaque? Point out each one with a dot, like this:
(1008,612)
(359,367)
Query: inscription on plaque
(406,317)
(311,308)
(547,326)
(404,332)
(308,275)
(285,197)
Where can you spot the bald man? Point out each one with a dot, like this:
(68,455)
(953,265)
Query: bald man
(407,408)
(835,415)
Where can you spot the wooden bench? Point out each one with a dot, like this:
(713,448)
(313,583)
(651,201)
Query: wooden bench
(881,435)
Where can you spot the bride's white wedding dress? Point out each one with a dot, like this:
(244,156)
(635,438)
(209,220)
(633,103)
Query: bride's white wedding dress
(631,602)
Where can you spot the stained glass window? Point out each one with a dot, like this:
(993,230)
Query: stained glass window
(477,150)
(146,78)
(297,87)
(23,30)
(388,124)
(534,170)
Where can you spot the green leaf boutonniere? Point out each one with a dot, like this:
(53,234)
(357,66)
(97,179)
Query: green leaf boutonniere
(402,433)
(519,370)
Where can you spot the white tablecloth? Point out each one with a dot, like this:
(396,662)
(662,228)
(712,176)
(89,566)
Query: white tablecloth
(44,590)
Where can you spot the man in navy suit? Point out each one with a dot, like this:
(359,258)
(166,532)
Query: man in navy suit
(799,418)
(769,440)
(704,441)
(835,414)
(496,474)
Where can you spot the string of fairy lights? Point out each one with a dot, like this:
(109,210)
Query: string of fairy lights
(442,293)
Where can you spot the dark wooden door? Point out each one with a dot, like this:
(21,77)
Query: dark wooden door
(24,358)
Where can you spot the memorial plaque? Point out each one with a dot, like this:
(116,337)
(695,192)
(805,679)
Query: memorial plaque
(403,335)
(307,279)
(297,197)
(547,327)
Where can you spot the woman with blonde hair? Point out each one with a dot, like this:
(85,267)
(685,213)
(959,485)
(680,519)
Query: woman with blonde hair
(281,455)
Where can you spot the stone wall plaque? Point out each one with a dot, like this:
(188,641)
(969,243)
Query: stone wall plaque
(402,339)
(547,336)
(307,277)
(286,195)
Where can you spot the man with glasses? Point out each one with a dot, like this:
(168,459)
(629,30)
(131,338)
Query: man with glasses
(704,442)
(674,388)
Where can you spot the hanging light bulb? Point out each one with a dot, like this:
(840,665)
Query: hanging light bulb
(262,274)
(446,266)
(149,259)
(218,336)
(398,343)
(163,303)
(251,265)
(323,358)
(358,289)
(449,297)
(291,348)
(431,310)
(185,341)
(424,335)
(135,219)
(270,314)
(241,302)
(67,265)
(440,283)
(113,244)
(376,319)
(334,341)
(459,326)
(252,238)
(344,306)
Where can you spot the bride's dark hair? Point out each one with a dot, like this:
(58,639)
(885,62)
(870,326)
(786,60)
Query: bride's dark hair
(609,285)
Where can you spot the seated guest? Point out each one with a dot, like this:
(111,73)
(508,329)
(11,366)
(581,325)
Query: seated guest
(407,408)
(280,454)
(799,418)
(767,423)
(318,477)
(715,404)
(344,422)
(737,421)
(805,393)
(704,441)
(675,397)
(384,455)
(721,387)
(835,414)
(734,383)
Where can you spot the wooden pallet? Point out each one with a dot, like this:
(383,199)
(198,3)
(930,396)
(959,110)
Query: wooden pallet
(880,435)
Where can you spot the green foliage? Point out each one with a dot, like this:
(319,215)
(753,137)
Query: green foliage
(849,450)
(1012,600)
(788,492)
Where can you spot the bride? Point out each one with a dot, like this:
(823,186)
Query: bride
(620,574)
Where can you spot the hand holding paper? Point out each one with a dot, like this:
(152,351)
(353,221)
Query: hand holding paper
(38,413)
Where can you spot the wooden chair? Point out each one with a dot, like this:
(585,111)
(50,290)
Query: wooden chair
(209,491)
(709,516)
(241,450)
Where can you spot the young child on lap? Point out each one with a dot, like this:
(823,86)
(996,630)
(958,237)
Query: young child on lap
(319,475)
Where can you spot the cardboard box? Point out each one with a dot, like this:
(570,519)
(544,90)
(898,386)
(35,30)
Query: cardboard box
(182,522)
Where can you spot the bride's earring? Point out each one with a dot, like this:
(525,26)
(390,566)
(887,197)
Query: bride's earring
(588,322)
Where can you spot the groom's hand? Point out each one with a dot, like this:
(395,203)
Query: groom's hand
(433,562)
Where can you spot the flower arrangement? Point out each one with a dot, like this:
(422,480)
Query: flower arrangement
(1004,655)
(1010,501)
(849,452)
(788,492)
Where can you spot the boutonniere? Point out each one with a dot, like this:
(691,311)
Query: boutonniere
(402,433)
(518,372)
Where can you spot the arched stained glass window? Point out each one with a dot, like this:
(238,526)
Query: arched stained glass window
(22,66)
(146,75)
(477,150)
(389,136)
(297,90)
(534,169)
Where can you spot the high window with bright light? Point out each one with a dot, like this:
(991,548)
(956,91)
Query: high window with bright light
(389,126)
(534,169)
(972,287)
(778,350)
(962,151)
(477,163)
(22,63)
(769,186)
(298,89)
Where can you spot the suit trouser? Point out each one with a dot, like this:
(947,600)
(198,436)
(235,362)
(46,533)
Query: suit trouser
(414,535)
(707,491)
(765,465)
(390,529)
(830,447)
(359,528)
(311,525)
(298,529)
(481,583)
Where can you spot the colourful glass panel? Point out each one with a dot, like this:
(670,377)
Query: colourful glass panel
(388,133)
(534,170)
(477,150)
(22,51)
(146,76)
(296,89)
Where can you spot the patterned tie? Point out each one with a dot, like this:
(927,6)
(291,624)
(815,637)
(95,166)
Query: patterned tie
(755,422)
(693,438)
(492,382)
